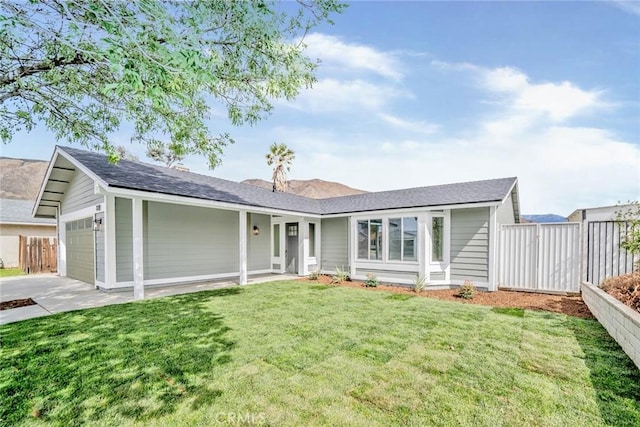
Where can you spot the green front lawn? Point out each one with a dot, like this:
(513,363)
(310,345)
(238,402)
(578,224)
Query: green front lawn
(9,272)
(292,353)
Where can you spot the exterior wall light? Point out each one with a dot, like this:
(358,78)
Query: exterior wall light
(97,224)
(256,230)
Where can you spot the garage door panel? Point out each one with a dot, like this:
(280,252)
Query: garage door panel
(80,250)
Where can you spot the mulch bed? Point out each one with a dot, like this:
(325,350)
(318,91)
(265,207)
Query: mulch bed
(569,305)
(625,288)
(16,303)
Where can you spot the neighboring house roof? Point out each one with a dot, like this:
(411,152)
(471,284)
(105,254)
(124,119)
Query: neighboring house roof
(19,212)
(159,179)
(600,213)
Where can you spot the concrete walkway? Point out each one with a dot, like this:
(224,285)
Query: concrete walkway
(54,294)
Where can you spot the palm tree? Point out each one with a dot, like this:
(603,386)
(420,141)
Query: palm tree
(280,157)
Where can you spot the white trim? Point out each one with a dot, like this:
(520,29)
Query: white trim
(386,279)
(413,267)
(138,248)
(189,279)
(82,213)
(184,200)
(515,182)
(242,246)
(54,158)
(394,212)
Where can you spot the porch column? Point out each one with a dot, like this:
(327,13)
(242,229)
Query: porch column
(353,246)
(424,241)
(62,246)
(242,225)
(138,248)
(110,241)
(303,234)
(493,248)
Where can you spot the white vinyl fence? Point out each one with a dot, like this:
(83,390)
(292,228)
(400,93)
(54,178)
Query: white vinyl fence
(540,257)
(604,257)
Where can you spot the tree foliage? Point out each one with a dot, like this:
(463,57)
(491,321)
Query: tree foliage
(628,220)
(85,67)
(280,157)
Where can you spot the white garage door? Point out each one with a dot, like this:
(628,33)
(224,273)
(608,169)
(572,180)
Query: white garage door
(80,247)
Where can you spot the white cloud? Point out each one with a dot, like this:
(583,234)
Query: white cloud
(558,101)
(335,53)
(559,169)
(409,125)
(632,7)
(331,95)
(525,131)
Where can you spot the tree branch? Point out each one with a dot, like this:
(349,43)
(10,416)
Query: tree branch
(43,66)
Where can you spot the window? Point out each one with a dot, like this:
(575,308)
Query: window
(370,239)
(395,239)
(363,239)
(292,230)
(409,238)
(403,235)
(312,240)
(437,239)
(276,240)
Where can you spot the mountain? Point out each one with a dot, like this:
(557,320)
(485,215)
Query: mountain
(21,178)
(312,188)
(545,218)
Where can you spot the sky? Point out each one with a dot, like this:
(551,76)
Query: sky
(414,94)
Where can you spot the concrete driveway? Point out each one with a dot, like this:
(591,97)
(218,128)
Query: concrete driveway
(54,294)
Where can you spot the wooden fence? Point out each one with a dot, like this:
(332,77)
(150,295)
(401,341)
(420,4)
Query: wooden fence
(38,254)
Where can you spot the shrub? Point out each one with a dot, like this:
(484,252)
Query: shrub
(467,290)
(313,275)
(340,276)
(372,280)
(419,283)
(628,221)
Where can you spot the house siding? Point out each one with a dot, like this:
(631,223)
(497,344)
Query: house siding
(79,194)
(188,241)
(470,244)
(505,213)
(259,247)
(124,240)
(388,276)
(335,243)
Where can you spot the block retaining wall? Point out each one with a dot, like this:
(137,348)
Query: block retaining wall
(622,323)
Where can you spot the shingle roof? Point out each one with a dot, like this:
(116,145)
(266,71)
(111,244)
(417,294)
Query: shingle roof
(19,212)
(158,179)
(493,190)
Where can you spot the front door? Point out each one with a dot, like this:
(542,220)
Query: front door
(291,249)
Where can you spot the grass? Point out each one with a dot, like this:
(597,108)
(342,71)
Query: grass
(10,272)
(290,353)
